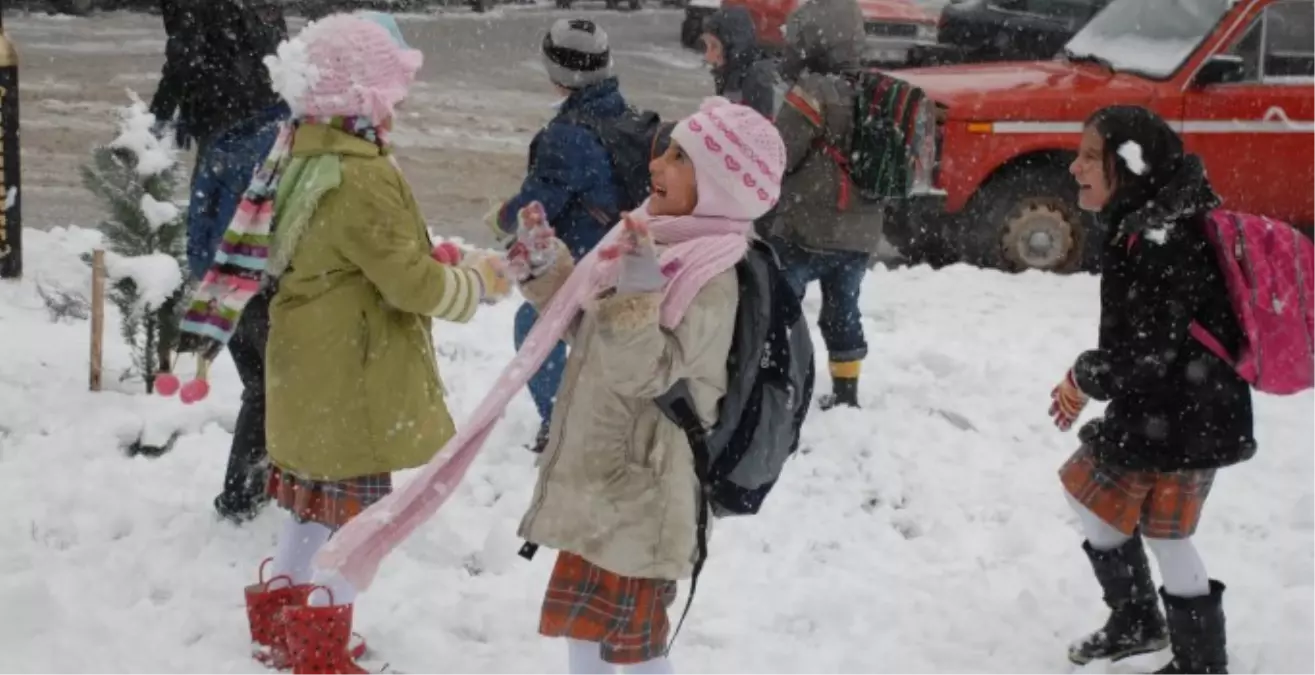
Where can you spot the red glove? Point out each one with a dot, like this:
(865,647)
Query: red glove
(447,253)
(1067,402)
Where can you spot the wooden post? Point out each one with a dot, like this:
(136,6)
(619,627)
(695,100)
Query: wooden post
(97,315)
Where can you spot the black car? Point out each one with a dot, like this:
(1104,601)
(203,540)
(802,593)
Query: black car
(973,31)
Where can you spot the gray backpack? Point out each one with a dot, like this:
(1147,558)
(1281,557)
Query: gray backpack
(770,388)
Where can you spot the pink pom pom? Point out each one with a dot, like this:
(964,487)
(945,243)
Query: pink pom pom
(194,391)
(166,384)
(447,253)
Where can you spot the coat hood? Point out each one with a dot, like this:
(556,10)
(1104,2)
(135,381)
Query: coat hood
(733,26)
(823,36)
(1156,180)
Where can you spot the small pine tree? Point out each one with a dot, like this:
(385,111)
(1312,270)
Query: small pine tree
(135,176)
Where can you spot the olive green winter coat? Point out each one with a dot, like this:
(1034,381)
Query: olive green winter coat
(352,383)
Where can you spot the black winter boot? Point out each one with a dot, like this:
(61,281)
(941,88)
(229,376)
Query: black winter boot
(844,391)
(1136,625)
(1196,626)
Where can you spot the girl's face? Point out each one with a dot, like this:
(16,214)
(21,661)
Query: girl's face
(714,53)
(674,191)
(1094,184)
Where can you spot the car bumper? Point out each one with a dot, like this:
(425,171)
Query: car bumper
(917,221)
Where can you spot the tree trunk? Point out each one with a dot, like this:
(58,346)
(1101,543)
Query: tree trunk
(151,324)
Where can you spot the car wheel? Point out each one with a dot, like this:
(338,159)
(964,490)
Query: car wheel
(636,5)
(1027,219)
(1038,234)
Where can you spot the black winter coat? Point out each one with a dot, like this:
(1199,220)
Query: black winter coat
(214,75)
(1172,404)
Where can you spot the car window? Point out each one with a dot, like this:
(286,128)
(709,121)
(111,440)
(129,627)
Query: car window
(1248,48)
(1290,40)
(1280,44)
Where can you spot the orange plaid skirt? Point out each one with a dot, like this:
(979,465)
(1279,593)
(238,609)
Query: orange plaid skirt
(1165,505)
(329,503)
(626,616)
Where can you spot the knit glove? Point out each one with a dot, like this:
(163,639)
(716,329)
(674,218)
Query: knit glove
(535,250)
(1067,402)
(494,282)
(640,271)
(492,220)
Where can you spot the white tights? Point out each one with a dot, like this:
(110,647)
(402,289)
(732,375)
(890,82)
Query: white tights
(584,658)
(1180,565)
(298,543)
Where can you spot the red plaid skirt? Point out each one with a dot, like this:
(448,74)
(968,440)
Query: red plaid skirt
(330,503)
(626,616)
(1165,505)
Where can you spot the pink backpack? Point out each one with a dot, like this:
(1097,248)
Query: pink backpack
(1268,267)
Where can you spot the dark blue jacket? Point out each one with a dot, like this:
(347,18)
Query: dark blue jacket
(570,172)
(222,174)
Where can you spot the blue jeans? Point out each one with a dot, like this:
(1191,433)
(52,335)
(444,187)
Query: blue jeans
(544,384)
(224,167)
(841,274)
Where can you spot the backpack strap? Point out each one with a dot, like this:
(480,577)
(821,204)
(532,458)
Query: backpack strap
(677,406)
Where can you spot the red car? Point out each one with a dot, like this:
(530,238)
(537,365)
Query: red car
(893,26)
(1234,77)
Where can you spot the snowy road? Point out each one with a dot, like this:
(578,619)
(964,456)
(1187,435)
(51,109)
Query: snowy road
(924,533)
(463,134)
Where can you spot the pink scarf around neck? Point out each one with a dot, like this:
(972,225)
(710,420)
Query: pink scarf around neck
(697,250)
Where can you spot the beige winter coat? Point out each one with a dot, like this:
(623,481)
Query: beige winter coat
(616,479)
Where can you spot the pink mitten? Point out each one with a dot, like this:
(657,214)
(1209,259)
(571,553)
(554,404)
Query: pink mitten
(640,271)
(535,250)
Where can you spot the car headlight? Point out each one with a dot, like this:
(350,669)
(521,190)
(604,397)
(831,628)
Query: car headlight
(922,148)
(927,32)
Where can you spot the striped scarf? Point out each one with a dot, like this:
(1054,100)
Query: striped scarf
(240,268)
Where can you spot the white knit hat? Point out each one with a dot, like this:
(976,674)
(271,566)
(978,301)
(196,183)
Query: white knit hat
(575,53)
(738,156)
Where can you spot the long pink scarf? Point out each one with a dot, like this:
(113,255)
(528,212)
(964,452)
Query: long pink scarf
(697,250)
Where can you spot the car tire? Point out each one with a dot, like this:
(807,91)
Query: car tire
(636,5)
(1027,218)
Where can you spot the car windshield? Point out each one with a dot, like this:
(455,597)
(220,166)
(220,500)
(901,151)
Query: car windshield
(1150,37)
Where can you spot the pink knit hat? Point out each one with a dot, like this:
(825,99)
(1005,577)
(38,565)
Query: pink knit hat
(343,65)
(738,159)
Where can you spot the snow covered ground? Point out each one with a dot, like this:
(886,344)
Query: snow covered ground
(926,532)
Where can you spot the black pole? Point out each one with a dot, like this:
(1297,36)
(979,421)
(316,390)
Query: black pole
(11,213)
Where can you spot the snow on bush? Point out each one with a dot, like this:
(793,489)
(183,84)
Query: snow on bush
(156,276)
(136,135)
(158,213)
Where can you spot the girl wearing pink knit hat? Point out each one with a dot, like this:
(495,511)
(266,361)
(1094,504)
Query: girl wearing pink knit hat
(617,492)
(352,388)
